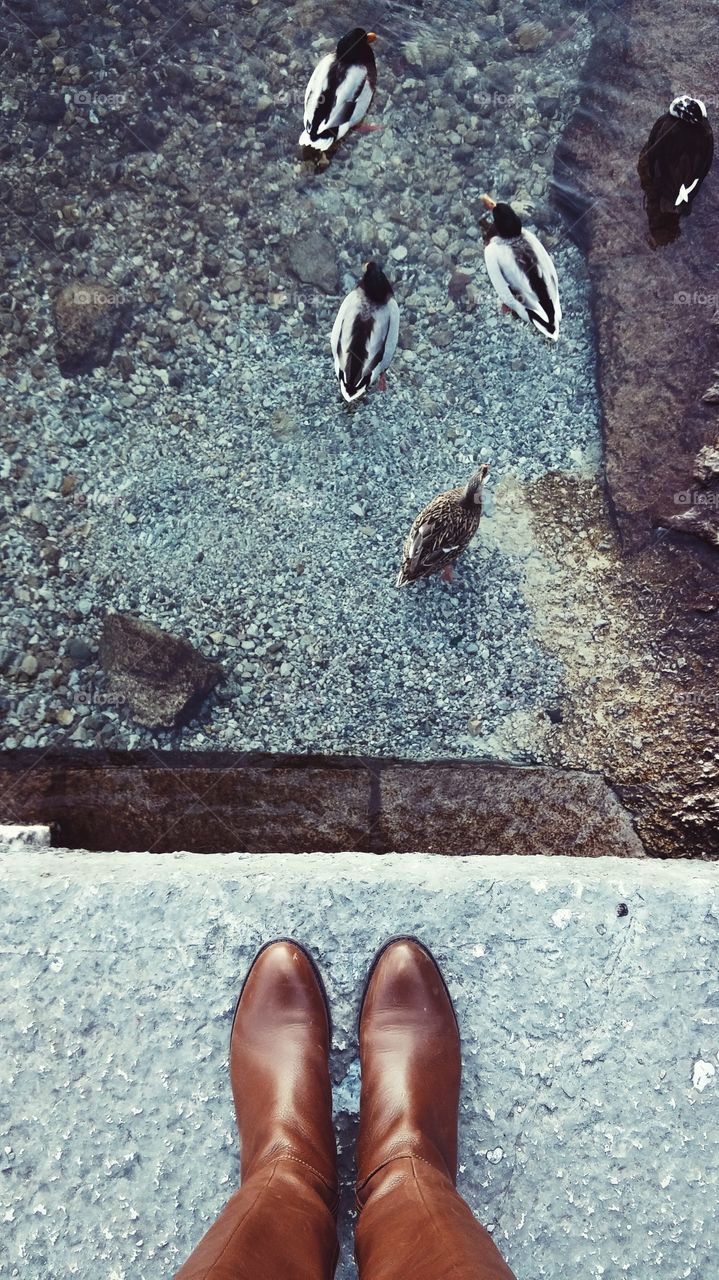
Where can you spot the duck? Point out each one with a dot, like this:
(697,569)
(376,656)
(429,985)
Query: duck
(364,335)
(678,154)
(443,531)
(520,269)
(340,90)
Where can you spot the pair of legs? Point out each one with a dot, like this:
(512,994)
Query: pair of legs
(281,1224)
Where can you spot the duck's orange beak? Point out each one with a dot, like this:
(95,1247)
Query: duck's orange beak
(371,36)
(488,202)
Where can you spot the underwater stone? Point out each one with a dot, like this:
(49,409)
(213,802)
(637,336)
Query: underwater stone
(88,316)
(161,677)
(313,261)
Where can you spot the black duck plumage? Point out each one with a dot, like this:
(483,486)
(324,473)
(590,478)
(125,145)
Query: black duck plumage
(676,158)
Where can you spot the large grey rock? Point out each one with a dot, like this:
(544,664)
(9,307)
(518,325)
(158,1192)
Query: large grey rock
(652,305)
(161,677)
(272,804)
(586,996)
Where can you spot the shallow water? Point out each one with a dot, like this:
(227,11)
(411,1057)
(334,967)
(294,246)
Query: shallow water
(250,509)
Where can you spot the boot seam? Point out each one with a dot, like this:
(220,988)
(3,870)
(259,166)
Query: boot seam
(402,1155)
(286,1155)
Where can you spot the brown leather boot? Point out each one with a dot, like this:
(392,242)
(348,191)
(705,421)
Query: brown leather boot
(281,1224)
(412,1222)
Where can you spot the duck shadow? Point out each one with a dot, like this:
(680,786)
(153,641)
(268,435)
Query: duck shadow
(468,588)
(664,225)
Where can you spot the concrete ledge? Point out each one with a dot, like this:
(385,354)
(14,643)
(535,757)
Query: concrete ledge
(34,837)
(590,1111)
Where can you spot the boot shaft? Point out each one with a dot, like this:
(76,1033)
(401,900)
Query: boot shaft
(279,1065)
(411,1065)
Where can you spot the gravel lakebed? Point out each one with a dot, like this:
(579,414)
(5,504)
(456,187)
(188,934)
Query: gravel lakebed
(211,478)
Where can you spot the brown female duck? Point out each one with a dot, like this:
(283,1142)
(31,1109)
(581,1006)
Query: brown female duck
(443,531)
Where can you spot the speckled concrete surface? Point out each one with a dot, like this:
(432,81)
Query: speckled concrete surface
(590,1116)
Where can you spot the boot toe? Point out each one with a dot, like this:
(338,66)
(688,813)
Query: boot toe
(282,987)
(405,982)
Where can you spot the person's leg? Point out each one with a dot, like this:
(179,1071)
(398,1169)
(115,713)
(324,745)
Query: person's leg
(281,1223)
(412,1221)
(277,1224)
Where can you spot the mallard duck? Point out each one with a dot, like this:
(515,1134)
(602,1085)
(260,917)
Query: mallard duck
(443,531)
(677,155)
(364,336)
(340,90)
(520,269)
